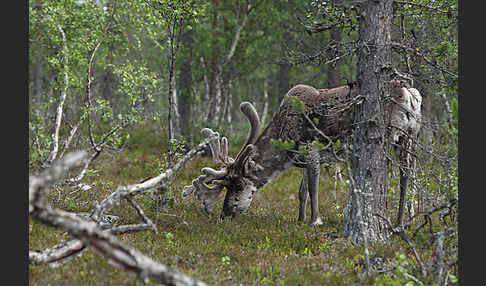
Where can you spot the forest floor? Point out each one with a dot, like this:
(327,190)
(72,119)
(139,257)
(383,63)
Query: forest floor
(266,245)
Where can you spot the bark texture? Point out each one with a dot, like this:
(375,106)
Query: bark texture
(368,161)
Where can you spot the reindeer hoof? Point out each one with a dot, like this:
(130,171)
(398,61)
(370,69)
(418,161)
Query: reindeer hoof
(316,222)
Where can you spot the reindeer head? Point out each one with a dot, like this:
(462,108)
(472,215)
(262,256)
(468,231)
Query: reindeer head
(234,174)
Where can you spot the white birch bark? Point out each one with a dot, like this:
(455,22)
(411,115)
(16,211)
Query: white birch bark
(55,137)
(219,67)
(265,99)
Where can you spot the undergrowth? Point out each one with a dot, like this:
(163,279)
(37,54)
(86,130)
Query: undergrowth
(265,246)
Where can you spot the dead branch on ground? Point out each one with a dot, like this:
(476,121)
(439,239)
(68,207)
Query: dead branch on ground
(89,231)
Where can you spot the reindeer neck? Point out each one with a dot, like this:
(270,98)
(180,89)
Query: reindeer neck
(272,158)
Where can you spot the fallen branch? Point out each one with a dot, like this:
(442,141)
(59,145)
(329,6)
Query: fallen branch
(89,233)
(142,214)
(122,192)
(57,253)
(65,251)
(116,252)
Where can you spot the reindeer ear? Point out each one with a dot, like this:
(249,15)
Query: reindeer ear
(416,99)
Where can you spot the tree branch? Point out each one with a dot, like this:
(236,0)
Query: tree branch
(89,233)
(162,179)
(422,6)
(426,59)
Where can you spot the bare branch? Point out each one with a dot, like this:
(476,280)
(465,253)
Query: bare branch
(68,140)
(131,190)
(38,183)
(116,252)
(401,233)
(88,232)
(65,251)
(142,214)
(430,62)
(58,253)
(422,6)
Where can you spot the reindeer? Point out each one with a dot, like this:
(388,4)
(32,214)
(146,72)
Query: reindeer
(327,116)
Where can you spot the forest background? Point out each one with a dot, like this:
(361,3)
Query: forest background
(133,82)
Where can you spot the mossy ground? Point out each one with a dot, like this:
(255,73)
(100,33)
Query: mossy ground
(266,245)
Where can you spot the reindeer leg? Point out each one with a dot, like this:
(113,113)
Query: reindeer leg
(313,171)
(303,195)
(405,165)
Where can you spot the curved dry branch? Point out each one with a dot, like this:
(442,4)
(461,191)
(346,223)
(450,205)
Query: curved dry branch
(89,233)
(162,179)
(116,252)
(59,253)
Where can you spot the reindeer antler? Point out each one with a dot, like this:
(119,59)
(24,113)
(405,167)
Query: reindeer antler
(204,192)
(219,149)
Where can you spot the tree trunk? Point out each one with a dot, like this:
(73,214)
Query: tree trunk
(429,126)
(218,72)
(109,82)
(37,80)
(212,100)
(334,69)
(211,68)
(283,74)
(265,100)
(185,85)
(59,111)
(368,160)
(205,99)
(218,94)
(228,103)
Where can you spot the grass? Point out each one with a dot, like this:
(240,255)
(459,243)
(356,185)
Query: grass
(264,246)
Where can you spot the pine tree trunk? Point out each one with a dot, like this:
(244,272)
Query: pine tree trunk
(368,160)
